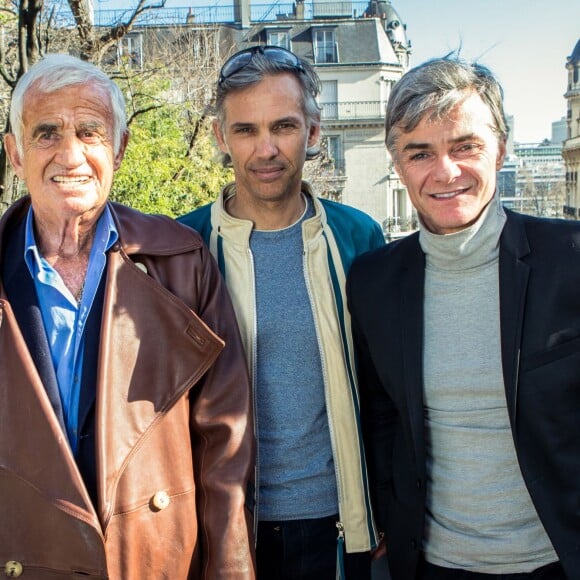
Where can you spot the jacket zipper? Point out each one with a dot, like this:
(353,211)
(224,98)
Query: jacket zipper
(340,571)
(325,379)
(254,397)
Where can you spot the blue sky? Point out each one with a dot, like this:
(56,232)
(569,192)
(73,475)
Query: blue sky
(525,42)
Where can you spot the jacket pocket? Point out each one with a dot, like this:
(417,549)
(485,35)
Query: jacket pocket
(550,355)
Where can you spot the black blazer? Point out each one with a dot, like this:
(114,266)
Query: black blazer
(539,277)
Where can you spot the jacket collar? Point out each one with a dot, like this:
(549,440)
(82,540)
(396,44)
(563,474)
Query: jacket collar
(138,233)
(412,290)
(513,282)
(238,231)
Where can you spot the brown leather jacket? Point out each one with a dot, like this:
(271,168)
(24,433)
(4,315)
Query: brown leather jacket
(173,430)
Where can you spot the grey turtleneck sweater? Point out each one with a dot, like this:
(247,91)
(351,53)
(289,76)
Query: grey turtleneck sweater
(479,513)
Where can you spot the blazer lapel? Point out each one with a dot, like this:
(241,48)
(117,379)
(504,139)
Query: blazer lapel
(513,283)
(412,303)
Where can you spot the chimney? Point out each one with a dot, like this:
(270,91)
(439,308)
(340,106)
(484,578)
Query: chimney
(242,12)
(299,10)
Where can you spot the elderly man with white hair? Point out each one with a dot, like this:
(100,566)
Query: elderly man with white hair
(126,442)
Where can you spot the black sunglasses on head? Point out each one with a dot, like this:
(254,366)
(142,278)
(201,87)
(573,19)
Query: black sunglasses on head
(242,59)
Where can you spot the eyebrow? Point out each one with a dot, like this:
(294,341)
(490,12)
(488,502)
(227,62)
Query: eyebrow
(243,124)
(92,125)
(289,119)
(44,128)
(52,127)
(413,146)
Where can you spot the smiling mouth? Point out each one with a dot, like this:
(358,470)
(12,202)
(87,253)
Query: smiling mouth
(75,179)
(448,194)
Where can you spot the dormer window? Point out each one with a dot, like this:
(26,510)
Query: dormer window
(279,38)
(325,49)
(130,50)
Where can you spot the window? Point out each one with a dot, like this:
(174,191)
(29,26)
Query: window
(279,38)
(130,48)
(328,99)
(325,45)
(334,149)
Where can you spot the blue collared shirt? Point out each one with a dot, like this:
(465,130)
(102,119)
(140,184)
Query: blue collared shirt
(64,318)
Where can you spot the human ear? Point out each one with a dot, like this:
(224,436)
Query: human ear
(121,152)
(501,153)
(313,135)
(220,138)
(13,154)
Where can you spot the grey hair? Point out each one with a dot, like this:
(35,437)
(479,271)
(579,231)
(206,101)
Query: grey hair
(433,88)
(59,71)
(254,72)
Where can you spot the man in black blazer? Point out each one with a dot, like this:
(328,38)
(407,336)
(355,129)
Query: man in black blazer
(468,343)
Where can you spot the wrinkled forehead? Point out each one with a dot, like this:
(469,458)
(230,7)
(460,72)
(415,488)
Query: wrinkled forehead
(87,89)
(83,100)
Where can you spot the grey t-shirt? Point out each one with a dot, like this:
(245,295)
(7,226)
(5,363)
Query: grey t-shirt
(297,477)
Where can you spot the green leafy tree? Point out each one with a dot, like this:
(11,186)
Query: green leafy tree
(171,163)
(160,174)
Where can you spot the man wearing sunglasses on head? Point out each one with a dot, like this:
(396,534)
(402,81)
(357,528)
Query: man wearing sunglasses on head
(285,254)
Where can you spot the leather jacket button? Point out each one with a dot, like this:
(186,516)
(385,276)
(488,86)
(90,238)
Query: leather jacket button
(160,500)
(141,267)
(13,569)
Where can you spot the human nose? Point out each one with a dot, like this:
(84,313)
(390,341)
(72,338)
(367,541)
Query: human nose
(266,146)
(71,151)
(446,169)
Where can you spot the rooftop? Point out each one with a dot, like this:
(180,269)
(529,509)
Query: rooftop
(225,14)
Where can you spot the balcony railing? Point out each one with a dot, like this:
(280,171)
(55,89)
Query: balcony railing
(351,110)
(398,227)
(226,14)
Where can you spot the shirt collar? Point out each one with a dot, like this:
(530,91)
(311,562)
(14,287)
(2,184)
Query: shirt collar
(106,235)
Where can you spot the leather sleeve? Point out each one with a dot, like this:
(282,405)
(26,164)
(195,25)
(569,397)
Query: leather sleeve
(223,439)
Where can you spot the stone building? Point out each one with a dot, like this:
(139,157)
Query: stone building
(571,147)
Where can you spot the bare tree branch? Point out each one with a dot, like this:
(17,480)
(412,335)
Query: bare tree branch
(142,111)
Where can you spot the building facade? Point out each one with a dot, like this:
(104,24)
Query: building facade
(571,147)
(540,178)
(359,50)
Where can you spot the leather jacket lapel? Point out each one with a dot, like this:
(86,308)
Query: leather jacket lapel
(147,334)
